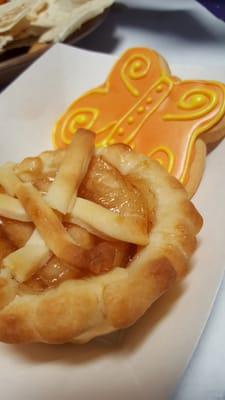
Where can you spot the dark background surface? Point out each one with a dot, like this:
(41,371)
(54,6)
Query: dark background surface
(216,7)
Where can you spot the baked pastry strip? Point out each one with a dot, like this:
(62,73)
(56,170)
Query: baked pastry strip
(8,179)
(89,215)
(107,224)
(12,208)
(62,193)
(24,262)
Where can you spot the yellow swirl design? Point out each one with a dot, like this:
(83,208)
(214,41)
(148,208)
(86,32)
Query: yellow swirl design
(81,118)
(136,67)
(169,154)
(198,101)
(107,127)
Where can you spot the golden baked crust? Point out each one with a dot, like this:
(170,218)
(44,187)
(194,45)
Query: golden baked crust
(81,309)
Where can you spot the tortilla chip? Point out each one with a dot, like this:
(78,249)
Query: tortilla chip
(47,21)
(13,12)
(65,16)
(4,40)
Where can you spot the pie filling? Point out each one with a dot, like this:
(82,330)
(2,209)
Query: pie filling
(69,215)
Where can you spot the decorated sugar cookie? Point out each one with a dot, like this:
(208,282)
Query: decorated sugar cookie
(142,105)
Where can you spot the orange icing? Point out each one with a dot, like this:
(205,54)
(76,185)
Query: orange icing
(142,105)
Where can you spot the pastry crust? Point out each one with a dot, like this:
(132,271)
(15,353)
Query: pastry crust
(79,310)
(197,168)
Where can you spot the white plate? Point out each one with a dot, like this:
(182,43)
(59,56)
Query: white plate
(147,361)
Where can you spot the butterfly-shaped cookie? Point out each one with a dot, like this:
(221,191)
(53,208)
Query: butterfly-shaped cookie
(143,105)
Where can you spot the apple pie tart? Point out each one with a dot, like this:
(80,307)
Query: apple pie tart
(89,239)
